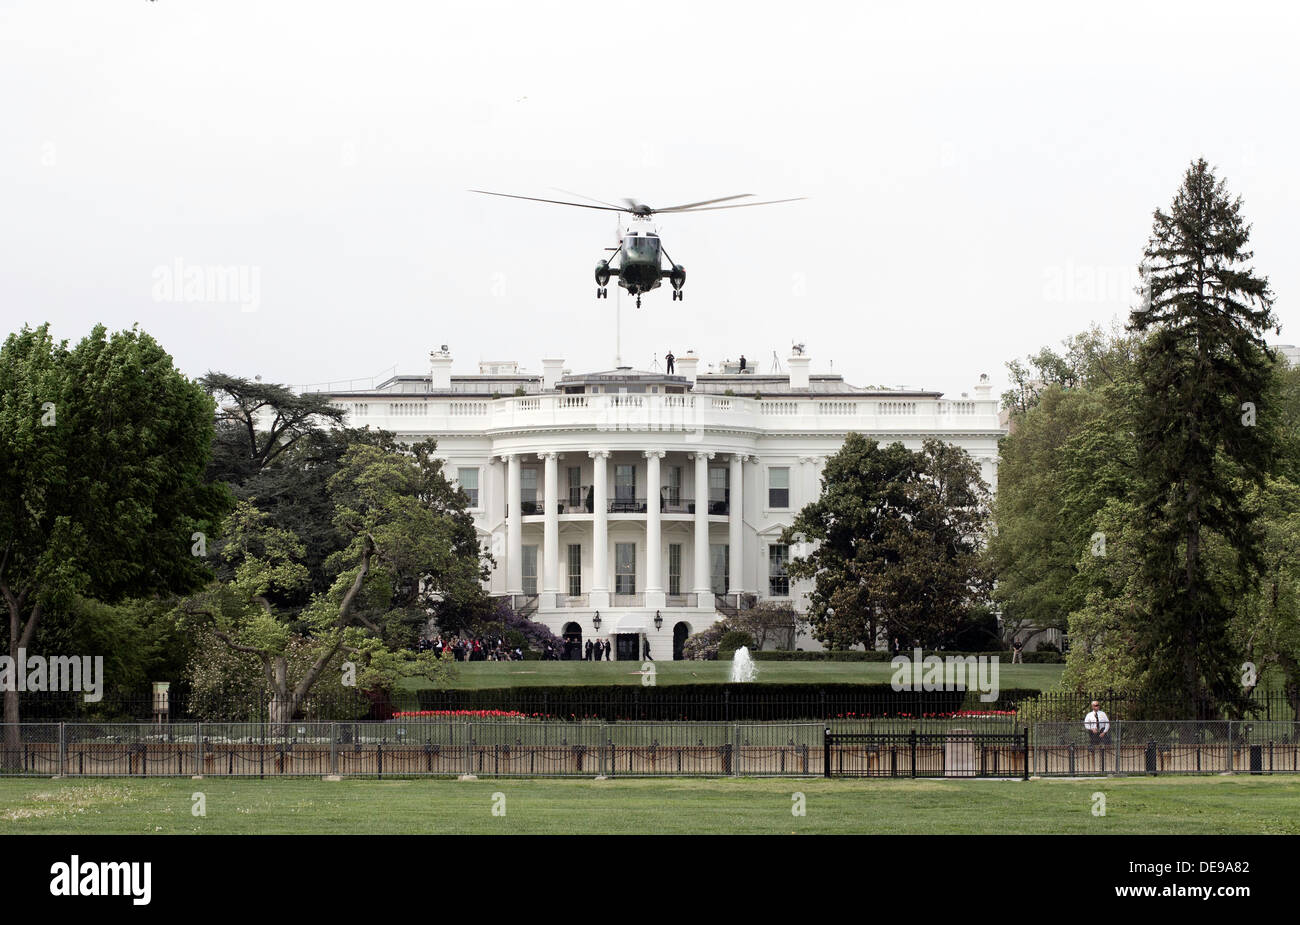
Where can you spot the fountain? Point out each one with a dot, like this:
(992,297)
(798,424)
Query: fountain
(742,665)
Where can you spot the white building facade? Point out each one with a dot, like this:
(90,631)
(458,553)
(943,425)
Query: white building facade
(641,506)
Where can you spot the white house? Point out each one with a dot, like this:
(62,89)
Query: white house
(639,506)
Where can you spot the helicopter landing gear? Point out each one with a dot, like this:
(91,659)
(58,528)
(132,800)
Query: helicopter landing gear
(677,295)
(602,292)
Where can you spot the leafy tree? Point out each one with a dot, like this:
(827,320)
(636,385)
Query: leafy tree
(410,543)
(768,621)
(897,538)
(1203,434)
(102,454)
(1091,359)
(1066,457)
(257,422)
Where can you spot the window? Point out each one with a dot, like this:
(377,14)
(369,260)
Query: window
(575,487)
(778,582)
(674,568)
(575,569)
(468,478)
(719,490)
(624,483)
(641,247)
(625,568)
(719,566)
(530,569)
(778,488)
(528,491)
(674,495)
(624,490)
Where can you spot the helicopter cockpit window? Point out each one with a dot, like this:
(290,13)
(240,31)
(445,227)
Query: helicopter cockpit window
(642,246)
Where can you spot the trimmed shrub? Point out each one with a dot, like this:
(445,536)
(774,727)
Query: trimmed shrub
(853,655)
(717,702)
(731,641)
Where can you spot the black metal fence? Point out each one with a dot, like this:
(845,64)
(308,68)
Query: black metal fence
(410,749)
(1164,747)
(951,753)
(454,747)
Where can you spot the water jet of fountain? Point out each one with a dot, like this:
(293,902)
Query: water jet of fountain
(742,665)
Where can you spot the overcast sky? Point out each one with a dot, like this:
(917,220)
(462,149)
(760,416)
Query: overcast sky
(980,176)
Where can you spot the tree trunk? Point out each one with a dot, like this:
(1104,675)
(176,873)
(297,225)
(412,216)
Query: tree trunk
(19,636)
(11,752)
(284,704)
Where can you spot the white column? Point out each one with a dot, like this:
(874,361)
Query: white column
(514,527)
(551,533)
(702,586)
(735,524)
(654,582)
(600,530)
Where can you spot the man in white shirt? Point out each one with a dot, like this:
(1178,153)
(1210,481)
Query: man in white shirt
(1098,724)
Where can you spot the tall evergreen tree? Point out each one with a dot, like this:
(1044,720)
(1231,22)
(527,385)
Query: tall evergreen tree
(1202,434)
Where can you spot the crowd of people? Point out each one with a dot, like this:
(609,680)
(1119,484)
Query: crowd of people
(473,648)
(494,648)
(591,651)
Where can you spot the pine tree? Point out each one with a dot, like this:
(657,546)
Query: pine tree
(1202,434)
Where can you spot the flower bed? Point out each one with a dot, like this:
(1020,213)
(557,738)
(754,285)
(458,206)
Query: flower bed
(480,714)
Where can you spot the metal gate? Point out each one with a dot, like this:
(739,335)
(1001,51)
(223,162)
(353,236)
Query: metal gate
(953,753)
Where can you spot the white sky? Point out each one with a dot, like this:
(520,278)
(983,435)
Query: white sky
(981,176)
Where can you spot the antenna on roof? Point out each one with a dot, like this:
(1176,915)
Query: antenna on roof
(776,363)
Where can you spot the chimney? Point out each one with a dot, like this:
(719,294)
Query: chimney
(687,366)
(552,370)
(440,377)
(799,370)
(983,391)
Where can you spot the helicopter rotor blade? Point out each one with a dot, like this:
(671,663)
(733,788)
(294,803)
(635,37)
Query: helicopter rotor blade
(558,202)
(706,202)
(743,205)
(588,198)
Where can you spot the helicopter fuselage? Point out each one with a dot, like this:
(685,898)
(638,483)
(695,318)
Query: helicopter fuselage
(641,257)
(642,262)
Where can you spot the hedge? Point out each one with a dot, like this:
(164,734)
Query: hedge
(716,702)
(853,655)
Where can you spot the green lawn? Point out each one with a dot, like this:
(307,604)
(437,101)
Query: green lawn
(1184,805)
(521,674)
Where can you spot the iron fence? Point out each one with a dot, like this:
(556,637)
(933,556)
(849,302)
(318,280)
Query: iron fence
(950,753)
(457,746)
(1166,747)
(408,749)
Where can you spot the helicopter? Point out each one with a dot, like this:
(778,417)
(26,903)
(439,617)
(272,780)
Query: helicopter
(641,268)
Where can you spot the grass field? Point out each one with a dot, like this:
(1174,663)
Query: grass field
(1187,805)
(525,674)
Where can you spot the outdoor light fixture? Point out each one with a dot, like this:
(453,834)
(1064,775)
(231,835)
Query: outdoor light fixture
(595,621)
(659,620)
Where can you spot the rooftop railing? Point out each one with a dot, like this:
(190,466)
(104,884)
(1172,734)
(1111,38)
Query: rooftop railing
(672,413)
